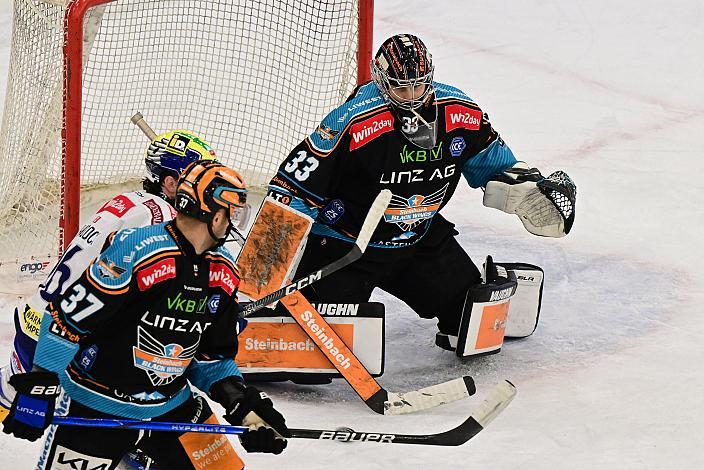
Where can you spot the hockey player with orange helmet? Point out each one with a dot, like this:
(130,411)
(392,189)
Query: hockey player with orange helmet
(165,158)
(150,281)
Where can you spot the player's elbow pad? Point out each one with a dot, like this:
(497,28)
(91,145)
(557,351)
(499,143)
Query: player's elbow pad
(546,206)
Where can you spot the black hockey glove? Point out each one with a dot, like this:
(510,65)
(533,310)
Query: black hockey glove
(248,406)
(559,188)
(33,406)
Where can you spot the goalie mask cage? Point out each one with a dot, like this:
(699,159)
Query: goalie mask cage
(252,78)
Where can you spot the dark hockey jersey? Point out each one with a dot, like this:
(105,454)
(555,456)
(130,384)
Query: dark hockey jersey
(146,317)
(359,149)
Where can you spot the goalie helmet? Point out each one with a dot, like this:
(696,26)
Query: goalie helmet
(169,154)
(403,61)
(206,186)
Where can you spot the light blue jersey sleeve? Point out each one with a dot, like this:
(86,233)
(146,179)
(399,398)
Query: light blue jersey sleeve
(494,159)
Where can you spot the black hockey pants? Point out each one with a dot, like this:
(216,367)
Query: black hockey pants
(432,277)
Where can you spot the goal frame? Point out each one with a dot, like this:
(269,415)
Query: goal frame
(70,188)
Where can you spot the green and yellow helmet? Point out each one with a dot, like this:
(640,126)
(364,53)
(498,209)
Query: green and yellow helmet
(169,154)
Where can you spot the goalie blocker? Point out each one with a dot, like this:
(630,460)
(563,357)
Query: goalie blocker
(506,304)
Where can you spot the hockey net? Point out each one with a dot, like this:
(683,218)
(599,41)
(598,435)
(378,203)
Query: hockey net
(252,78)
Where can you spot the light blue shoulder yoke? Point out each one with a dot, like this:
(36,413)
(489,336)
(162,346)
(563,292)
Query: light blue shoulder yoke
(332,128)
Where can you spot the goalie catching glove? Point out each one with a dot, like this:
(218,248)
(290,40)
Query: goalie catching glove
(252,408)
(544,205)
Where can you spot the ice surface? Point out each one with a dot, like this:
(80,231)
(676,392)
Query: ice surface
(611,93)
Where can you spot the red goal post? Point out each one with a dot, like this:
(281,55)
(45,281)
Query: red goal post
(253,78)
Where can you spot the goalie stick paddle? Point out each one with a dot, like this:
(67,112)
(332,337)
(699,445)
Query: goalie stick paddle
(497,400)
(365,233)
(359,378)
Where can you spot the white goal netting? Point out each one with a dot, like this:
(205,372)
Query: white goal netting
(251,77)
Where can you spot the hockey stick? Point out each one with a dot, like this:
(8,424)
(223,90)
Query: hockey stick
(365,233)
(138,120)
(344,360)
(339,354)
(497,400)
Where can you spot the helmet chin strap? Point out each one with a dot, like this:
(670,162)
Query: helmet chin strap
(231,234)
(220,241)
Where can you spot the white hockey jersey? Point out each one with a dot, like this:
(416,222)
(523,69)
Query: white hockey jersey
(128,210)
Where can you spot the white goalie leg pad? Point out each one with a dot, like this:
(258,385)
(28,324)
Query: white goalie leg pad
(483,323)
(524,311)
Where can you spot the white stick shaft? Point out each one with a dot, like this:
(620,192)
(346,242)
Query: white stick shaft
(372,220)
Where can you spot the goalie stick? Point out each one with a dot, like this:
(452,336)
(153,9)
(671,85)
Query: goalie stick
(339,354)
(497,400)
(344,360)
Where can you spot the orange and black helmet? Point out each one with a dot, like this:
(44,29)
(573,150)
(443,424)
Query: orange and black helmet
(206,186)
